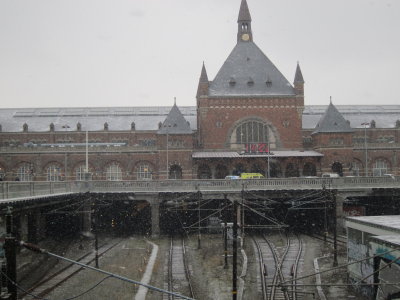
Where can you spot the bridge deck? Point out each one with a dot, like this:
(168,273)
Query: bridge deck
(17,191)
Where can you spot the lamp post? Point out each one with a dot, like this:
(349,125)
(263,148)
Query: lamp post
(269,152)
(365,124)
(167,127)
(66,127)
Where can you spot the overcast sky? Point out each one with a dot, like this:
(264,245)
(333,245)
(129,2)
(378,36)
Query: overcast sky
(70,53)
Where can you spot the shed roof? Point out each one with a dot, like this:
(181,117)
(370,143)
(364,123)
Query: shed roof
(233,154)
(385,222)
(387,239)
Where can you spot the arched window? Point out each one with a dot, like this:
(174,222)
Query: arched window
(256,168)
(80,173)
(221,171)
(291,170)
(175,172)
(355,168)
(53,173)
(337,168)
(144,172)
(380,167)
(252,132)
(2,173)
(25,172)
(309,169)
(239,169)
(113,172)
(204,172)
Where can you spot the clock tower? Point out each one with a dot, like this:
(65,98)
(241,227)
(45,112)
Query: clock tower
(244,24)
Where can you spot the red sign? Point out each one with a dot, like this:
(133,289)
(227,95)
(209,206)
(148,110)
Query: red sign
(257,148)
(353,211)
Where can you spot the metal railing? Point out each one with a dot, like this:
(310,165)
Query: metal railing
(15,190)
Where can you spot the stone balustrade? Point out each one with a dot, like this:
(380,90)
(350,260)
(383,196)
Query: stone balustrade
(15,191)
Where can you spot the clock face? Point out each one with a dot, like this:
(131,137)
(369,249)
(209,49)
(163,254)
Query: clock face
(245,37)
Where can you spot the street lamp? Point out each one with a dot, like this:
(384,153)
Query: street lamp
(365,124)
(167,126)
(66,127)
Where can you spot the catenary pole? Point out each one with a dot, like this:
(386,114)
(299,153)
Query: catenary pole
(225,235)
(235,246)
(11,257)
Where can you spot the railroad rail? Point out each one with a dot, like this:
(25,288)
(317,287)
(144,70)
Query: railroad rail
(340,240)
(277,266)
(15,191)
(51,282)
(179,278)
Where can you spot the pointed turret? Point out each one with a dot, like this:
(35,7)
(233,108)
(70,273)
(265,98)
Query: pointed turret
(332,122)
(298,81)
(202,89)
(244,24)
(175,123)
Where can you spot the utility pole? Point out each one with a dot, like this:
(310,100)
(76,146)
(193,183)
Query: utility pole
(198,233)
(11,257)
(235,248)
(335,261)
(96,241)
(225,235)
(325,213)
(242,212)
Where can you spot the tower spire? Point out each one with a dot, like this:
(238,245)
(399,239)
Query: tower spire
(202,89)
(298,81)
(244,23)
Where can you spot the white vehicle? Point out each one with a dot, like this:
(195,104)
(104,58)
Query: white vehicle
(330,175)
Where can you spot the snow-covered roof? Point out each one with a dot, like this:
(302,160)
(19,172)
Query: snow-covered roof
(391,223)
(385,116)
(248,72)
(148,118)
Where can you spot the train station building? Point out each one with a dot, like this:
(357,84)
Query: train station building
(249,118)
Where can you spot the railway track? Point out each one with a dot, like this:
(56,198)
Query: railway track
(341,240)
(54,280)
(179,279)
(278,265)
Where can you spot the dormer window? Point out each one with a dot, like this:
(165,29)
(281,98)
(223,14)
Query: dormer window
(250,82)
(268,83)
(232,81)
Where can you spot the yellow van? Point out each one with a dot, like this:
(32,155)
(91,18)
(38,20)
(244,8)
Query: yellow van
(251,176)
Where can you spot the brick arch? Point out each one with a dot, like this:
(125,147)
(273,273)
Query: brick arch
(276,140)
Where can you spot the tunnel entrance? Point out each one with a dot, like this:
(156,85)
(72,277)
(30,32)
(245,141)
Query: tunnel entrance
(124,217)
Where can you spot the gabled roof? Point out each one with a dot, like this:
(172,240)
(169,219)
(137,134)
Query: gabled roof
(332,121)
(248,71)
(175,123)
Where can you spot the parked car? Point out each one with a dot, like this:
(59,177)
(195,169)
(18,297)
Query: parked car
(251,176)
(232,177)
(330,175)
